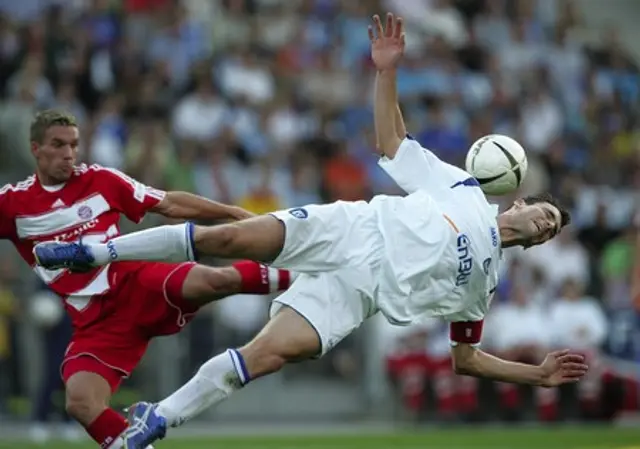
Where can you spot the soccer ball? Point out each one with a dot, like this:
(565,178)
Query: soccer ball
(46,309)
(498,162)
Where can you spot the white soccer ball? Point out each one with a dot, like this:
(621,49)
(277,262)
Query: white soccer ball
(46,309)
(498,162)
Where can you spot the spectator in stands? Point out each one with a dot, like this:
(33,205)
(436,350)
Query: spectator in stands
(562,259)
(408,368)
(56,330)
(8,310)
(595,239)
(579,322)
(517,330)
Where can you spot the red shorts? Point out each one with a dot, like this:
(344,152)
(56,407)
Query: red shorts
(145,302)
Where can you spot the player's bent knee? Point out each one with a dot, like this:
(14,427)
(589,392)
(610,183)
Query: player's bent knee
(86,396)
(79,407)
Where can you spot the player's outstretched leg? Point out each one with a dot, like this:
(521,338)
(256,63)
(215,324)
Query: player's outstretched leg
(287,337)
(180,243)
(259,238)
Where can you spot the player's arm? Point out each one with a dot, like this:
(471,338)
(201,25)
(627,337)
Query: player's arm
(387,48)
(187,206)
(410,165)
(558,368)
(404,159)
(135,200)
(401,128)
(471,361)
(389,124)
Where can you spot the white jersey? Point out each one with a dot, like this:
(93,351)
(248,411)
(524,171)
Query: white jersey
(442,245)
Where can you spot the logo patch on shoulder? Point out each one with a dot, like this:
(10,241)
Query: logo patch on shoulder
(486,264)
(299,212)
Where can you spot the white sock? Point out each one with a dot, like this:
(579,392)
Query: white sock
(171,243)
(213,383)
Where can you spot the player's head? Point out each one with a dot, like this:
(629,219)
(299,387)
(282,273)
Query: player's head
(532,220)
(54,144)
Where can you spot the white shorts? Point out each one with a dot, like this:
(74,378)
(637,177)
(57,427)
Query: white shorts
(338,249)
(333,303)
(328,237)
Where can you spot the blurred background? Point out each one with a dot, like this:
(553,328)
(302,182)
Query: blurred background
(267,104)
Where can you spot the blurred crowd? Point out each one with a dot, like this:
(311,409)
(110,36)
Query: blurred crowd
(267,104)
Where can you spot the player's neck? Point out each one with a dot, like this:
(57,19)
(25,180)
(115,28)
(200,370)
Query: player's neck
(48,181)
(509,235)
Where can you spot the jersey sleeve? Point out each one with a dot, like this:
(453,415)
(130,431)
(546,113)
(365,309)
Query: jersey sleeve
(131,197)
(414,168)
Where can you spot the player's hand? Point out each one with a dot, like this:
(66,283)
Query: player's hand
(562,367)
(387,45)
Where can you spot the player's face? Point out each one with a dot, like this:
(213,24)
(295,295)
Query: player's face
(57,154)
(538,222)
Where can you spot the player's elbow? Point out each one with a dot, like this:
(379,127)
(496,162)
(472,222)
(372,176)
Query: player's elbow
(169,207)
(389,147)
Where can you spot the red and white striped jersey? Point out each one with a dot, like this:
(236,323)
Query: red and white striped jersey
(89,205)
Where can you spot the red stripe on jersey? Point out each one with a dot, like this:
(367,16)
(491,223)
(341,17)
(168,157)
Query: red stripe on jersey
(469,332)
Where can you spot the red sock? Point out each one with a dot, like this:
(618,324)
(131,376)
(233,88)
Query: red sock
(260,279)
(107,427)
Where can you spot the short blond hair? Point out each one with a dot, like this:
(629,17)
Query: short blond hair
(48,118)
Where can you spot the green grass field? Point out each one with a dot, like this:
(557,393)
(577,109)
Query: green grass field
(467,438)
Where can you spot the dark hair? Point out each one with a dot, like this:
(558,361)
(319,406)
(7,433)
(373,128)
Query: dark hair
(46,119)
(565,216)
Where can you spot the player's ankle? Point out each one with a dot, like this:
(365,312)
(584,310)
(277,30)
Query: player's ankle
(107,427)
(100,253)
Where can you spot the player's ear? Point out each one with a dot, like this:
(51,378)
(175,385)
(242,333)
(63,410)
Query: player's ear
(34,148)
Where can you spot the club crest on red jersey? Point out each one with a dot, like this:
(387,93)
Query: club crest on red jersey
(85,212)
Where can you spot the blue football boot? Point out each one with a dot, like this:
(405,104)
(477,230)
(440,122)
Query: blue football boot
(145,426)
(71,255)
